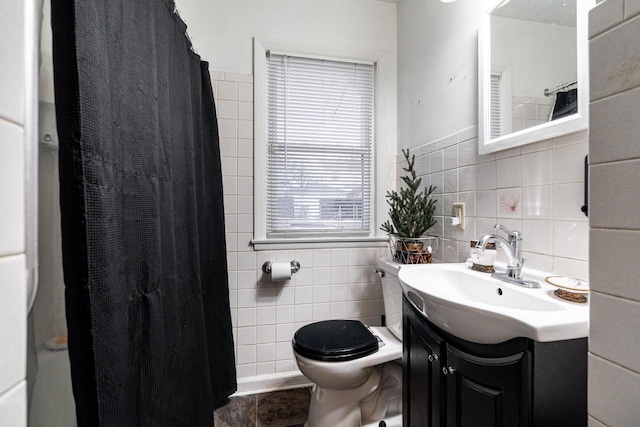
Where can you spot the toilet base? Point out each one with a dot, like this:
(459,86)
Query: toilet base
(340,408)
(386,401)
(394,421)
(379,398)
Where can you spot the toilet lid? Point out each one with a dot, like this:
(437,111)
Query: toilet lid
(335,341)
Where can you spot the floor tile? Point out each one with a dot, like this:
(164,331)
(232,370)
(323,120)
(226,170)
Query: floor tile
(239,412)
(286,408)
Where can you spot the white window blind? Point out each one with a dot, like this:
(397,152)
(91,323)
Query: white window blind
(319,146)
(496,105)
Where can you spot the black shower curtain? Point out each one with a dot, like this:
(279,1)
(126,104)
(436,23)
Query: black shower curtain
(566,104)
(144,253)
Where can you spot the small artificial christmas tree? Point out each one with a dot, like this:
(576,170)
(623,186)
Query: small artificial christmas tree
(411,210)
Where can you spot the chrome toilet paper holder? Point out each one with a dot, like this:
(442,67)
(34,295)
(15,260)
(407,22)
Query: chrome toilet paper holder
(295,266)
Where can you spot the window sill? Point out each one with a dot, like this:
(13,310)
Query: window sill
(319,243)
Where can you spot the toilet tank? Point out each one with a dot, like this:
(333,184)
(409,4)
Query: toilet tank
(392,294)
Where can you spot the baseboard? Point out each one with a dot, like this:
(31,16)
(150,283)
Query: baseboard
(272,382)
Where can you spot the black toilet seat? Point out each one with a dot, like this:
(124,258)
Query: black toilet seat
(335,341)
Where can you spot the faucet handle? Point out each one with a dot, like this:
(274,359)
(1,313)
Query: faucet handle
(503,228)
(513,235)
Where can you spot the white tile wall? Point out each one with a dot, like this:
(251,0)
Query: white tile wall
(618,201)
(11,203)
(613,393)
(622,316)
(538,167)
(614,382)
(607,77)
(332,284)
(537,202)
(528,111)
(12,53)
(614,113)
(609,14)
(537,189)
(12,324)
(631,8)
(592,422)
(13,90)
(13,406)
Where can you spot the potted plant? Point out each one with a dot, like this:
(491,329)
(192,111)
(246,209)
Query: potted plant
(411,213)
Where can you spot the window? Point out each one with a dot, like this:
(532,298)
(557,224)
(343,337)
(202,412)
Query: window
(319,146)
(318,167)
(501,102)
(496,105)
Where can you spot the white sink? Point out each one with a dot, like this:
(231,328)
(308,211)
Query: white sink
(478,308)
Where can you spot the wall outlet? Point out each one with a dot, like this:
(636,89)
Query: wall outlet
(458,212)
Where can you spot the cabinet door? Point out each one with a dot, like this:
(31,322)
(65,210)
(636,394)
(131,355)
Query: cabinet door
(489,392)
(423,382)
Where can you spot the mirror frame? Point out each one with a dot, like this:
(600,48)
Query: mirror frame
(563,126)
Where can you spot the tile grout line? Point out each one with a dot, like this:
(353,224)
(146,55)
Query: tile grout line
(614,364)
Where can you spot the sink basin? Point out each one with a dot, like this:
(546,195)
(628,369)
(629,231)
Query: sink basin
(478,308)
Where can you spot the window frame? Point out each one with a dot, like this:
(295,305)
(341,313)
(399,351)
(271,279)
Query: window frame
(384,144)
(506,98)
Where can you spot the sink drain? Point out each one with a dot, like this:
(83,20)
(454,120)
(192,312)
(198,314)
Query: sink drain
(499,291)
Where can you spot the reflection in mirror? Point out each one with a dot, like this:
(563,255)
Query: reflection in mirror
(534,68)
(524,48)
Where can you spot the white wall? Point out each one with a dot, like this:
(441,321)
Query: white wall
(222,30)
(614,364)
(437,65)
(17,97)
(437,69)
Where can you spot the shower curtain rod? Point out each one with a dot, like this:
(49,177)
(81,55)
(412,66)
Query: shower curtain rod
(548,92)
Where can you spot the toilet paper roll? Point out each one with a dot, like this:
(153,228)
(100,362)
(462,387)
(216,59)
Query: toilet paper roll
(280,271)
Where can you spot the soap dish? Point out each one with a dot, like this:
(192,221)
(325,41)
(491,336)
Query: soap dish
(482,268)
(570,296)
(568,283)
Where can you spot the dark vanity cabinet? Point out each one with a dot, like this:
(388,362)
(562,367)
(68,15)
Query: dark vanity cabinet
(452,382)
(423,357)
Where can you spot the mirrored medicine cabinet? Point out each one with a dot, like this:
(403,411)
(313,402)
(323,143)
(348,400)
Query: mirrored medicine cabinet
(533,71)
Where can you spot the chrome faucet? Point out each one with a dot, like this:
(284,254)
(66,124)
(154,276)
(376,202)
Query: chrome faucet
(512,247)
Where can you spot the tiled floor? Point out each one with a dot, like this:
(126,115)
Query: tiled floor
(288,408)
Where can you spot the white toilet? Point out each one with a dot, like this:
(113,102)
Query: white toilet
(356,370)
